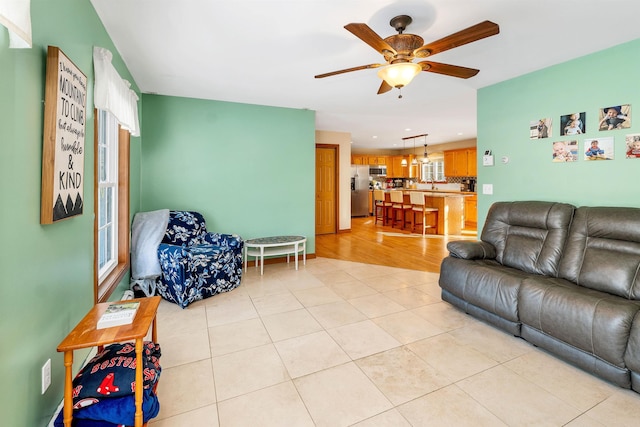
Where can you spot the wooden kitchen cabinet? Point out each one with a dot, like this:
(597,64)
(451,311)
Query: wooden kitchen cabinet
(359,160)
(399,171)
(449,166)
(471,211)
(376,160)
(395,168)
(460,162)
(367,159)
(472,162)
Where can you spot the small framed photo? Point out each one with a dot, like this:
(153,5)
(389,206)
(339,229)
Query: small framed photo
(615,117)
(540,128)
(573,124)
(598,149)
(565,151)
(632,149)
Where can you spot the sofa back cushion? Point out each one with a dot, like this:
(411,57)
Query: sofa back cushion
(185,228)
(528,235)
(603,250)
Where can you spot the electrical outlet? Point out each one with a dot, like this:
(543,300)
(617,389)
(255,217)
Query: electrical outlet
(46,375)
(487,188)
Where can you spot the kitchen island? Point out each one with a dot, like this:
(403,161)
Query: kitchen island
(450,207)
(450,211)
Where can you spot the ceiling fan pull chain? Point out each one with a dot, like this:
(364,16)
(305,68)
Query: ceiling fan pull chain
(400,90)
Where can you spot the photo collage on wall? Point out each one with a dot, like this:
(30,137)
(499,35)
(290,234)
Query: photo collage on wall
(601,148)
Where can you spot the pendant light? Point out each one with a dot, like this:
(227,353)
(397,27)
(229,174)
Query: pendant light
(425,159)
(414,162)
(403,163)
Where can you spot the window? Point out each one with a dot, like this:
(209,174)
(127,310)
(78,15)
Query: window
(107,193)
(433,171)
(111,204)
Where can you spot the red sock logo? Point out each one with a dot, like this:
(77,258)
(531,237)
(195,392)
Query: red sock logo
(107,387)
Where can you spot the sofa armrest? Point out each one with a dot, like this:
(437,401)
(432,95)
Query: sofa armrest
(471,249)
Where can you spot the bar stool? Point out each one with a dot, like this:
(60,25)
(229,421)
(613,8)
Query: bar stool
(379,207)
(418,207)
(387,208)
(398,206)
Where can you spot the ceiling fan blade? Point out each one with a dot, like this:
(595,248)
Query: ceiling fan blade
(449,70)
(462,37)
(384,87)
(348,70)
(370,37)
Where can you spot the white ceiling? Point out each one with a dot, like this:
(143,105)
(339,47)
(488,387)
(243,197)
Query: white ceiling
(267,53)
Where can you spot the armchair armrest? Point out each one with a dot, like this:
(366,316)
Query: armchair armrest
(471,249)
(172,261)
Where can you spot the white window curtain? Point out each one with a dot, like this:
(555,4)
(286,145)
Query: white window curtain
(114,94)
(16,16)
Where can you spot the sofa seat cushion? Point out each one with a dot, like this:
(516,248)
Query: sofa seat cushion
(592,321)
(483,283)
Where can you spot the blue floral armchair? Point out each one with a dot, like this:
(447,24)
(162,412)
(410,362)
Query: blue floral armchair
(197,264)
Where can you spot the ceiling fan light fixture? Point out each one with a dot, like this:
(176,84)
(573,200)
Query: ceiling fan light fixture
(400,74)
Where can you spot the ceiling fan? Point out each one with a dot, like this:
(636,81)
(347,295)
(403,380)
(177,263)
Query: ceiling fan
(400,50)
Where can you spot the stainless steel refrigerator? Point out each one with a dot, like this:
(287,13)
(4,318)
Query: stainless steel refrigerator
(359,190)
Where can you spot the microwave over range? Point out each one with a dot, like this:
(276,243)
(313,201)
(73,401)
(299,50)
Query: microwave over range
(378,171)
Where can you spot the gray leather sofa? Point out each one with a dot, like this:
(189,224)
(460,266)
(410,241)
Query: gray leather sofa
(565,279)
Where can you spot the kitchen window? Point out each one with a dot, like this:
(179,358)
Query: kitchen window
(433,171)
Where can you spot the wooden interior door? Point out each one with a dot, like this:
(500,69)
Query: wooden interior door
(326,188)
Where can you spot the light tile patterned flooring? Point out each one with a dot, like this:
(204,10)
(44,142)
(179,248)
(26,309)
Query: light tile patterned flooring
(340,343)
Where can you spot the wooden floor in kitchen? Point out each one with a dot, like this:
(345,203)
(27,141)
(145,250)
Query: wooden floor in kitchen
(372,243)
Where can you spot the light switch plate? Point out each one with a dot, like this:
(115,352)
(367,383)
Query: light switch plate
(487,188)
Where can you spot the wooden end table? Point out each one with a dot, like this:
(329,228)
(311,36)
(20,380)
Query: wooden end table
(86,335)
(275,245)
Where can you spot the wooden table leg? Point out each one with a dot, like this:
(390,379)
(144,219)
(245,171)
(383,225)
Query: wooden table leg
(67,411)
(154,331)
(138,391)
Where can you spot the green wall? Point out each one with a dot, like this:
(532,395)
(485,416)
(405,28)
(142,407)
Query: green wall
(585,84)
(250,170)
(47,270)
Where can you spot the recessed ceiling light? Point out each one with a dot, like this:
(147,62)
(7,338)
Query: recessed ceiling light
(460,133)
(408,129)
(374,136)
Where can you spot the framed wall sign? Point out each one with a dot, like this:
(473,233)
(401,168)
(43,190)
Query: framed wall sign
(65,105)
